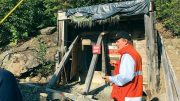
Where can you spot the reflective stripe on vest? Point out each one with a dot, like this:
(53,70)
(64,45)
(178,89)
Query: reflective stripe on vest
(138,73)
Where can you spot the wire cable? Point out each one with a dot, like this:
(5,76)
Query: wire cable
(12,10)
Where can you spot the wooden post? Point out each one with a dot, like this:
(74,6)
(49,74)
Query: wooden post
(103,58)
(43,97)
(92,67)
(152,53)
(62,32)
(148,52)
(62,40)
(171,83)
(74,62)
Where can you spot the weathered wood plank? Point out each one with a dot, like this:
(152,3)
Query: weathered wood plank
(172,87)
(74,62)
(146,23)
(92,67)
(103,58)
(63,37)
(43,97)
(152,52)
(56,74)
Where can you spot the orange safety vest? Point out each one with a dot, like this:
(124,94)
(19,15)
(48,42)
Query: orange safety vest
(133,88)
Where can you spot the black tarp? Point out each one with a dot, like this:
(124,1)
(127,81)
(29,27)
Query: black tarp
(100,12)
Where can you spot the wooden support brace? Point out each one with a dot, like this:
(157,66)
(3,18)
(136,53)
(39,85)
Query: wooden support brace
(56,74)
(92,67)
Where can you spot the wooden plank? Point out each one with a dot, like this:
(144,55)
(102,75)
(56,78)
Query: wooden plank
(92,67)
(103,58)
(62,37)
(156,74)
(168,81)
(62,40)
(56,74)
(43,97)
(152,53)
(74,62)
(147,33)
(173,89)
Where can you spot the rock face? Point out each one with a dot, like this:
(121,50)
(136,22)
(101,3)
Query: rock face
(25,57)
(48,30)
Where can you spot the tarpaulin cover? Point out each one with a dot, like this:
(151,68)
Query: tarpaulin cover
(100,12)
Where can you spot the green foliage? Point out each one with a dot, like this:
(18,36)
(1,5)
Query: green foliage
(169,13)
(33,15)
(44,70)
(42,52)
(46,67)
(24,21)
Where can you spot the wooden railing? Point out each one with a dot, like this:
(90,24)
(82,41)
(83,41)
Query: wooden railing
(171,84)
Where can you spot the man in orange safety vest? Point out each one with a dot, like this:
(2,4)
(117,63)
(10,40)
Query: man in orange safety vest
(127,80)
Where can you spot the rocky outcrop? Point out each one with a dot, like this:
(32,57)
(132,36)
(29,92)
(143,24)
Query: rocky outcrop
(48,30)
(25,57)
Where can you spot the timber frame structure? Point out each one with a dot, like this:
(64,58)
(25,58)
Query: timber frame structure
(64,52)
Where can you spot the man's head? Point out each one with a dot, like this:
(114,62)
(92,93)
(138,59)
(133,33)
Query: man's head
(122,39)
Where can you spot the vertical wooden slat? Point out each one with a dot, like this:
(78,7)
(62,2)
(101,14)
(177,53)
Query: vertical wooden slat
(172,86)
(152,52)
(62,32)
(63,37)
(62,41)
(147,33)
(103,58)
(74,62)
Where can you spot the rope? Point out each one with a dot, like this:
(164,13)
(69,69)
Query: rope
(12,10)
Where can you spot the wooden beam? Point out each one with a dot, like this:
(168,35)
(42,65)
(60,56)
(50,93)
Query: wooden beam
(171,82)
(103,58)
(62,33)
(56,74)
(148,52)
(74,64)
(43,96)
(63,37)
(152,53)
(92,67)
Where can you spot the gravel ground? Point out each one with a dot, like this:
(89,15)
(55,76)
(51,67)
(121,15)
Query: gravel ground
(98,91)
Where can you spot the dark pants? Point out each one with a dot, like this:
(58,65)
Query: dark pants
(9,90)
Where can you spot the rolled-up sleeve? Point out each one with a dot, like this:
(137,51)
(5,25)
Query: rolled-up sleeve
(126,71)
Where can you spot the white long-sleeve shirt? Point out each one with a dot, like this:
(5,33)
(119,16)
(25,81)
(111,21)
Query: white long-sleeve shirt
(126,71)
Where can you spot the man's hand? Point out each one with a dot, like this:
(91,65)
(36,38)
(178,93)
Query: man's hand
(113,63)
(106,78)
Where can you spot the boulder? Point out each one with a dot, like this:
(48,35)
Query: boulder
(23,58)
(47,30)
